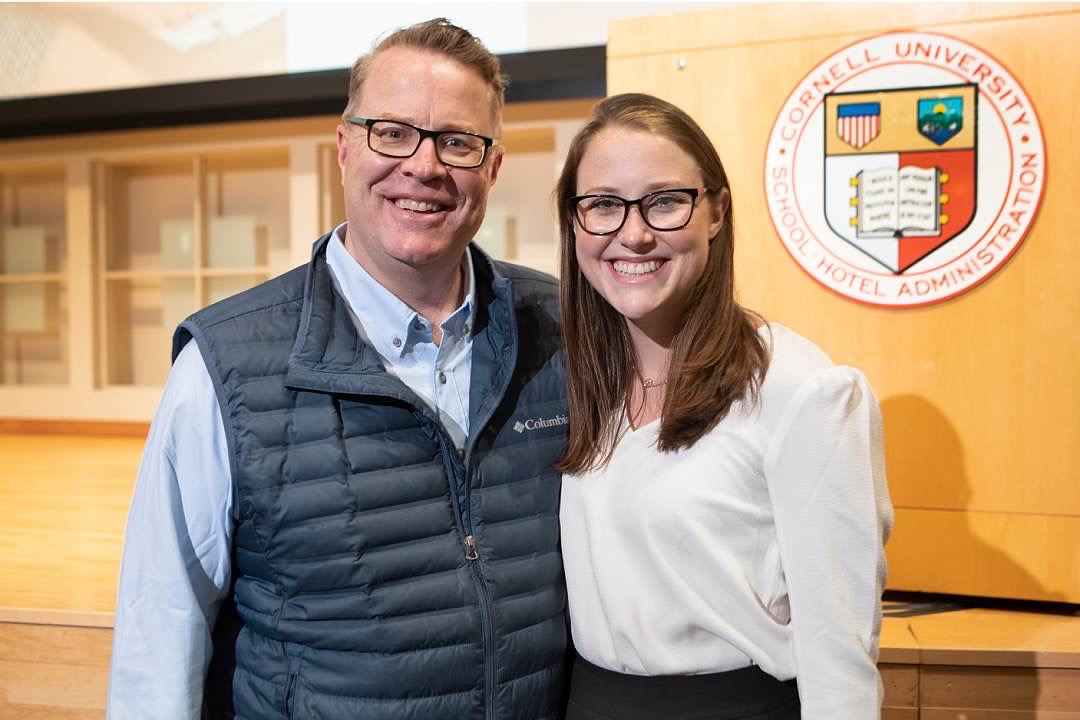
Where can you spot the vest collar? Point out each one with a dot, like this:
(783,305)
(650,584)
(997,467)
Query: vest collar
(329,355)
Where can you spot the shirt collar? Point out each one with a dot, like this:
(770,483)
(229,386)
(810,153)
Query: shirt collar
(383,319)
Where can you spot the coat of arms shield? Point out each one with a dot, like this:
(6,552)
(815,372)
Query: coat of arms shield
(900,169)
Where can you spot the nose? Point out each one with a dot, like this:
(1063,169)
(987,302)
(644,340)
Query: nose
(424,164)
(635,234)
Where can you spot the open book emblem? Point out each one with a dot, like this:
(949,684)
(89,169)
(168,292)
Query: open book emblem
(905,189)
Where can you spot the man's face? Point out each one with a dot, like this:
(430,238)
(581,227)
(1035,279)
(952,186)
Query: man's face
(416,213)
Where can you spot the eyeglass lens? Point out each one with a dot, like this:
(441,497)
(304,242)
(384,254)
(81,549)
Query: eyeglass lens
(400,140)
(665,210)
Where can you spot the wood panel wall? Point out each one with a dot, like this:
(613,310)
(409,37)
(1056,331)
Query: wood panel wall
(980,393)
(53,672)
(89,164)
(960,665)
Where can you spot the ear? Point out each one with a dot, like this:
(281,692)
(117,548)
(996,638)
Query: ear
(718,209)
(496,159)
(342,149)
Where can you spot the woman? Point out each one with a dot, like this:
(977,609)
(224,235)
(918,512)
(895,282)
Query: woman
(724,507)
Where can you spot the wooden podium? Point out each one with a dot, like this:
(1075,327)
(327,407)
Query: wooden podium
(979,393)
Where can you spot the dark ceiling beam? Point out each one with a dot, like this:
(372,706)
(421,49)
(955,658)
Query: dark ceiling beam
(568,74)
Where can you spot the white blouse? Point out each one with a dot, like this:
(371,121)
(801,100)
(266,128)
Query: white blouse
(761,544)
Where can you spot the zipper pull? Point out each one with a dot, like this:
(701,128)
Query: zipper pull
(470,548)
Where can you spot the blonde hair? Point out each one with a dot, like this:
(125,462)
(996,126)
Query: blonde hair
(442,37)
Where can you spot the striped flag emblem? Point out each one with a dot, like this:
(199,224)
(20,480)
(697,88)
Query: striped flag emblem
(859,123)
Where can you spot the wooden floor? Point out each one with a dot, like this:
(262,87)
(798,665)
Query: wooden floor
(63,504)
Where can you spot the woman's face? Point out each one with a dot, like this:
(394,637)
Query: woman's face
(644,273)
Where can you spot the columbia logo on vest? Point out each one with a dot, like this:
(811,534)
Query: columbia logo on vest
(539,423)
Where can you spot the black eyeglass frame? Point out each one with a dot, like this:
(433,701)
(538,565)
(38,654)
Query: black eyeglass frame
(367,123)
(694,194)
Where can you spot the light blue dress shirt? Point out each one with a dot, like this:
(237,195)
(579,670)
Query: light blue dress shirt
(176,567)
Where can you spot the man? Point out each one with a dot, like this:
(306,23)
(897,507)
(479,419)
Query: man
(343,461)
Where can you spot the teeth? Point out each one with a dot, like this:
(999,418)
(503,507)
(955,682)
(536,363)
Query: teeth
(636,268)
(416,205)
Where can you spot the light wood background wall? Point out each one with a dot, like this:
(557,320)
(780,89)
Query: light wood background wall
(981,394)
(115,368)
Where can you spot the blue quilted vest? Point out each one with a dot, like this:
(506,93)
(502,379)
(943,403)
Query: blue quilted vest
(380,573)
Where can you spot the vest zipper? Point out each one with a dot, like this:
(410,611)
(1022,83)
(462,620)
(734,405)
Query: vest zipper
(464,457)
(472,554)
(290,688)
(453,457)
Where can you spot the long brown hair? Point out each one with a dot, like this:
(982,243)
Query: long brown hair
(717,359)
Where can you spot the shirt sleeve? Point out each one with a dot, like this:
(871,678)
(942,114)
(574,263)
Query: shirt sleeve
(176,561)
(826,474)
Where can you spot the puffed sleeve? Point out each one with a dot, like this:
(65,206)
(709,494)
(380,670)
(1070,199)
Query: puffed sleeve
(825,469)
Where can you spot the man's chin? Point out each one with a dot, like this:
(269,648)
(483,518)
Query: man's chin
(424,253)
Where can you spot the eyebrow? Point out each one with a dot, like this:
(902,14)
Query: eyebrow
(650,188)
(454,127)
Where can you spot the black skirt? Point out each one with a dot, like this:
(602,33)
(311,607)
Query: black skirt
(745,694)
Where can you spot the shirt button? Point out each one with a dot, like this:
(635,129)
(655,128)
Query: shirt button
(397,342)
(418,325)
(466,328)
(442,378)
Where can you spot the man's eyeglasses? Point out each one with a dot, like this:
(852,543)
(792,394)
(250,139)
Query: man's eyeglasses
(661,210)
(455,148)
